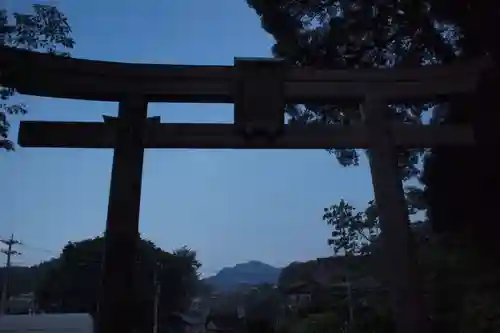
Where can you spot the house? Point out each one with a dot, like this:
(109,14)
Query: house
(192,321)
(311,287)
(21,304)
(300,294)
(187,323)
(225,323)
(327,277)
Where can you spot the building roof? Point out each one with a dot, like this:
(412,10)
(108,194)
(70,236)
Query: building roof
(306,287)
(224,321)
(303,287)
(190,319)
(47,322)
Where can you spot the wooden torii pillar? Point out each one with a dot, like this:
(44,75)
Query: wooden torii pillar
(259,90)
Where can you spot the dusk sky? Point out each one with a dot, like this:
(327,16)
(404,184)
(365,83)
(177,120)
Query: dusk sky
(230,206)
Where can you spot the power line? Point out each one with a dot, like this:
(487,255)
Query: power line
(9,252)
(40,249)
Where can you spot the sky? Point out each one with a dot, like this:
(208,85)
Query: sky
(230,206)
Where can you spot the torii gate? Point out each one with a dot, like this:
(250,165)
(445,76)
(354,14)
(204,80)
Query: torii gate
(259,89)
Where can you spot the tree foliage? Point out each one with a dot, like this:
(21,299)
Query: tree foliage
(263,302)
(46,29)
(72,284)
(460,292)
(459,182)
(348,34)
(356,232)
(462,213)
(330,302)
(352,232)
(328,322)
(358,34)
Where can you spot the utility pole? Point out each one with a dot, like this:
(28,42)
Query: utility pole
(349,300)
(348,286)
(157,287)
(9,252)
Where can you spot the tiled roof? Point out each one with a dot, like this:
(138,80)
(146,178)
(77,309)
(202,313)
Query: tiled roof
(225,321)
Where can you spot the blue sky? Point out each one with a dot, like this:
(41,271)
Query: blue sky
(231,206)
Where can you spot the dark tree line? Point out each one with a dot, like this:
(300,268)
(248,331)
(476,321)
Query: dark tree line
(460,185)
(346,34)
(71,283)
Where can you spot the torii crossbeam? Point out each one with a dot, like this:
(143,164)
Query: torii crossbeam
(259,89)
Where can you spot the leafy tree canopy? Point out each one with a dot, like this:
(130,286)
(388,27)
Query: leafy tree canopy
(72,283)
(46,29)
(358,34)
(348,34)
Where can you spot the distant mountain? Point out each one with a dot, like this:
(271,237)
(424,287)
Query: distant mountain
(249,274)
